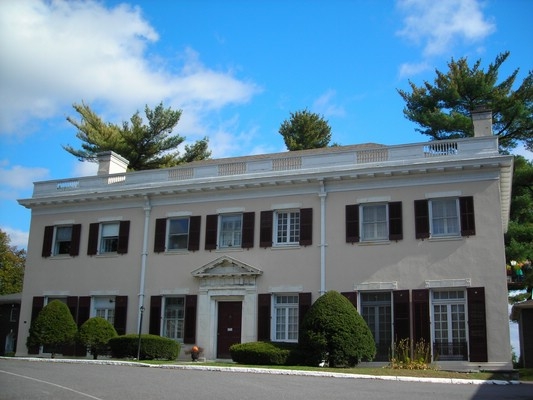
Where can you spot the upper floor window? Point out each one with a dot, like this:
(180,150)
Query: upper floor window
(374,222)
(108,237)
(235,230)
(180,233)
(445,217)
(61,240)
(286,227)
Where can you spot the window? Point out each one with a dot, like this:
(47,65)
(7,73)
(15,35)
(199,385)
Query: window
(445,217)
(178,234)
(371,222)
(377,312)
(61,240)
(14,314)
(374,222)
(174,317)
(286,318)
(449,327)
(230,230)
(287,228)
(104,307)
(108,237)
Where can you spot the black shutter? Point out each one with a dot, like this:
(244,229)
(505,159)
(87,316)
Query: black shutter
(395,221)
(304,304)
(92,245)
(306,227)
(248,226)
(402,321)
(190,319)
(211,225)
(421,219)
(263,316)
(121,314)
(72,304)
(37,306)
(84,312)
(477,326)
(468,224)
(75,240)
(265,231)
(160,232)
(421,322)
(194,233)
(155,315)
(123,237)
(352,223)
(352,297)
(47,241)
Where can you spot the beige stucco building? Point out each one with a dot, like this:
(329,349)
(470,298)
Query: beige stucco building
(236,250)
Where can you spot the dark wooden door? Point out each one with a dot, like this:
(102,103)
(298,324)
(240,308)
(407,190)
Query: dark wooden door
(229,326)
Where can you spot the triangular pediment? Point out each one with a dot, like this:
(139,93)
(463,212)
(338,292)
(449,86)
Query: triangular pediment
(225,266)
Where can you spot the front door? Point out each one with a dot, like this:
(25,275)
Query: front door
(229,326)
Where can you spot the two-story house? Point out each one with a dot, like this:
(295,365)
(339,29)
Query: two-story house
(236,250)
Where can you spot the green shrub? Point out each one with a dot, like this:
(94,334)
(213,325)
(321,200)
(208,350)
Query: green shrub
(401,359)
(95,334)
(53,327)
(334,331)
(262,353)
(153,347)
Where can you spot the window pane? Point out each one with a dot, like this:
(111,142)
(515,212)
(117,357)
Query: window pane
(286,317)
(444,217)
(374,222)
(288,227)
(63,240)
(230,230)
(174,316)
(178,234)
(110,230)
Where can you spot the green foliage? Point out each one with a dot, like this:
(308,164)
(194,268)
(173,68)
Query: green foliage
(12,263)
(443,109)
(401,359)
(95,334)
(305,130)
(334,331)
(145,146)
(262,353)
(153,347)
(53,327)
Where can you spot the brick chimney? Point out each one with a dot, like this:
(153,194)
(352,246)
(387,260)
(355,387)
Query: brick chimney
(482,119)
(110,162)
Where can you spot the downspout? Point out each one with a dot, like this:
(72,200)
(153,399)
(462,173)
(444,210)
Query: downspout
(323,244)
(144,255)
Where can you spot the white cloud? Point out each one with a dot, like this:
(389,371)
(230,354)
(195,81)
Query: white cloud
(58,52)
(409,69)
(437,25)
(324,105)
(17,237)
(18,178)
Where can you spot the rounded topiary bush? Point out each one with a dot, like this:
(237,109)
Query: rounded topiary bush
(334,331)
(262,353)
(95,334)
(153,347)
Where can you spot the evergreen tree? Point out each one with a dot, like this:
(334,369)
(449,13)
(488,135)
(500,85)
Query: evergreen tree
(95,334)
(305,130)
(12,263)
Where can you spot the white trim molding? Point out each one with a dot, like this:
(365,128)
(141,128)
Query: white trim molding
(446,283)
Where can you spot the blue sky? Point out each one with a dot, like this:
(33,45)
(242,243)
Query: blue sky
(237,69)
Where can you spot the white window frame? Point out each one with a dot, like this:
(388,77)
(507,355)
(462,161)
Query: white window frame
(109,243)
(104,307)
(14,314)
(446,229)
(365,210)
(286,234)
(178,321)
(285,317)
(169,235)
(57,242)
(230,238)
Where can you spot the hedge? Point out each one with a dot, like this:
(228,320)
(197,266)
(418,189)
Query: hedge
(264,353)
(152,347)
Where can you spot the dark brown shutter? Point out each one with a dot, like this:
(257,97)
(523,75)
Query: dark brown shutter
(248,226)
(395,221)
(194,233)
(304,304)
(421,322)
(263,316)
(477,326)
(37,306)
(190,319)
(47,241)
(468,224)
(121,314)
(306,227)
(72,304)
(211,224)
(155,315)
(265,231)
(92,245)
(123,237)
(75,240)
(160,232)
(84,312)
(352,223)
(421,219)
(352,296)
(402,321)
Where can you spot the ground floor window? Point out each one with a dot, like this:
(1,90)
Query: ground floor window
(286,317)
(449,327)
(376,310)
(104,307)
(174,317)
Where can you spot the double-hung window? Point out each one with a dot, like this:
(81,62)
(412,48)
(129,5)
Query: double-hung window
(109,237)
(285,317)
(174,318)
(287,227)
(374,224)
(61,240)
(444,217)
(178,234)
(230,231)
